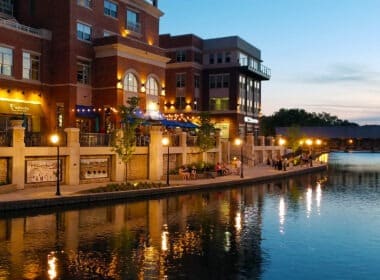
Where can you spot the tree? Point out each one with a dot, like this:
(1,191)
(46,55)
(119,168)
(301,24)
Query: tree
(298,117)
(124,139)
(206,130)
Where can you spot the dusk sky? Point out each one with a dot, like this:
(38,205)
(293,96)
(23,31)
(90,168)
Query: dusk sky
(324,54)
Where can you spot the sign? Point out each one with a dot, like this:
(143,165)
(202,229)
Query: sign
(250,120)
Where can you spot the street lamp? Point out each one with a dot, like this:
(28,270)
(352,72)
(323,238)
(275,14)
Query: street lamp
(55,140)
(239,142)
(165,142)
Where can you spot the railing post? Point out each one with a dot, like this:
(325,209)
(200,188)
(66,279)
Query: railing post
(18,160)
(73,158)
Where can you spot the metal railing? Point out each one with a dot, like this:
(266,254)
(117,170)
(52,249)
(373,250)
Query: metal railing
(5,139)
(134,26)
(14,25)
(37,139)
(94,139)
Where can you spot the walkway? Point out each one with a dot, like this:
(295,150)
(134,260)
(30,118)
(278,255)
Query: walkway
(45,196)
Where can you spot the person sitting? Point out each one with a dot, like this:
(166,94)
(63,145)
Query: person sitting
(225,169)
(184,172)
(207,172)
(218,169)
(193,172)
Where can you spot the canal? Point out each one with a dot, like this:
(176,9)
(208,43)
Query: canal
(317,226)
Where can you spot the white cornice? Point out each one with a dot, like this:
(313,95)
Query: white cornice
(131,53)
(144,6)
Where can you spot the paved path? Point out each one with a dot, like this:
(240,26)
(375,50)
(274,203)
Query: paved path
(34,197)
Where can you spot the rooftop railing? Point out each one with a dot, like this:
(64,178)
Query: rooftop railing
(23,28)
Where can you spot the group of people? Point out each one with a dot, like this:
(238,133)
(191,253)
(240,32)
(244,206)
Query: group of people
(187,173)
(282,163)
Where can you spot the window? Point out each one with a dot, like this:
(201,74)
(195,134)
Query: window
(130,83)
(211,58)
(219,81)
(152,87)
(181,56)
(6,61)
(243,59)
(83,72)
(219,104)
(219,58)
(83,32)
(110,8)
(198,57)
(180,80)
(133,21)
(197,81)
(31,66)
(227,57)
(84,3)
(180,102)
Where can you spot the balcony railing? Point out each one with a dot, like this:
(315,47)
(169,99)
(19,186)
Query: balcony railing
(134,26)
(5,139)
(94,139)
(36,139)
(14,25)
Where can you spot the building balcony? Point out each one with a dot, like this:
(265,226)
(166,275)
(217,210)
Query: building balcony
(261,70)
(14,25)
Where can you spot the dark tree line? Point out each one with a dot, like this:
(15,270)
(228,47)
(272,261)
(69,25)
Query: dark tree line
(299,117)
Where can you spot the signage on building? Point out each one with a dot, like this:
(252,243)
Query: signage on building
(250,120)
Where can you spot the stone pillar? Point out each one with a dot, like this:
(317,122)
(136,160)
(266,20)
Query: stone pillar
(73,159)
(155,153)
(270,140)
(218,146)
(250,139)
(261,140)
(18,160)
(183,145)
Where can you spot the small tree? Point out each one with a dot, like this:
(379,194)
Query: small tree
(124,139)
(206,141)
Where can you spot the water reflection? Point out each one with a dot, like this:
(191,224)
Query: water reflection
(208,235)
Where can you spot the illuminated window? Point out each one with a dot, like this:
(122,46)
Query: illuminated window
(152,87)
(6,61)
(219,104)
(31,66)
(130,83)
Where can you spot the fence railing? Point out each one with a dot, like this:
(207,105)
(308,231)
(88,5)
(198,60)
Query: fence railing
(94,139)
(36,139)
(5,139)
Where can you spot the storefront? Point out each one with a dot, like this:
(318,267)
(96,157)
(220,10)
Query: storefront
(28,111)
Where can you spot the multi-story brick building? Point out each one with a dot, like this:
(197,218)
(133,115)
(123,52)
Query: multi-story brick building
(72,63)
(222,76)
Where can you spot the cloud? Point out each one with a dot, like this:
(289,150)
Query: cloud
(343,73)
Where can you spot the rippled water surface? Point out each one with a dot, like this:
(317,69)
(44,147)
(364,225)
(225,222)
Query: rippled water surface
(319,226)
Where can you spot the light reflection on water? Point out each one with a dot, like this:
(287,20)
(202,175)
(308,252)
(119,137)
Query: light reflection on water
(319,226)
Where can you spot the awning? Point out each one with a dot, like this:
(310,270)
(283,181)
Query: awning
(83,111)
(169,123)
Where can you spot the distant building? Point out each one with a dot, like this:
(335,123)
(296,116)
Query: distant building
(221,75)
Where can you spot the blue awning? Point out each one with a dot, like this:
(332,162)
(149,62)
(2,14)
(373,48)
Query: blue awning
(169,123)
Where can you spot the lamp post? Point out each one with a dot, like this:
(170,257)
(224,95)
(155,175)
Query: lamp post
(55,140)
(239,142)
(165,142)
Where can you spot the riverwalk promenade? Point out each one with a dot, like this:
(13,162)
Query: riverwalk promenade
(39,197)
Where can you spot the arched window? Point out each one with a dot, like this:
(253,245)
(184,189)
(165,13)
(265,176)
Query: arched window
(130,83)
(152,87)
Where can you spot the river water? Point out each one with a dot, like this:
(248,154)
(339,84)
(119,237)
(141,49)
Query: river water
(318,226)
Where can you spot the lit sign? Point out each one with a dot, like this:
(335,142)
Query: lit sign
(18,108)
(250,120)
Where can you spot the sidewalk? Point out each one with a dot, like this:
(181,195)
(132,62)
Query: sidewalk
(45,196)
